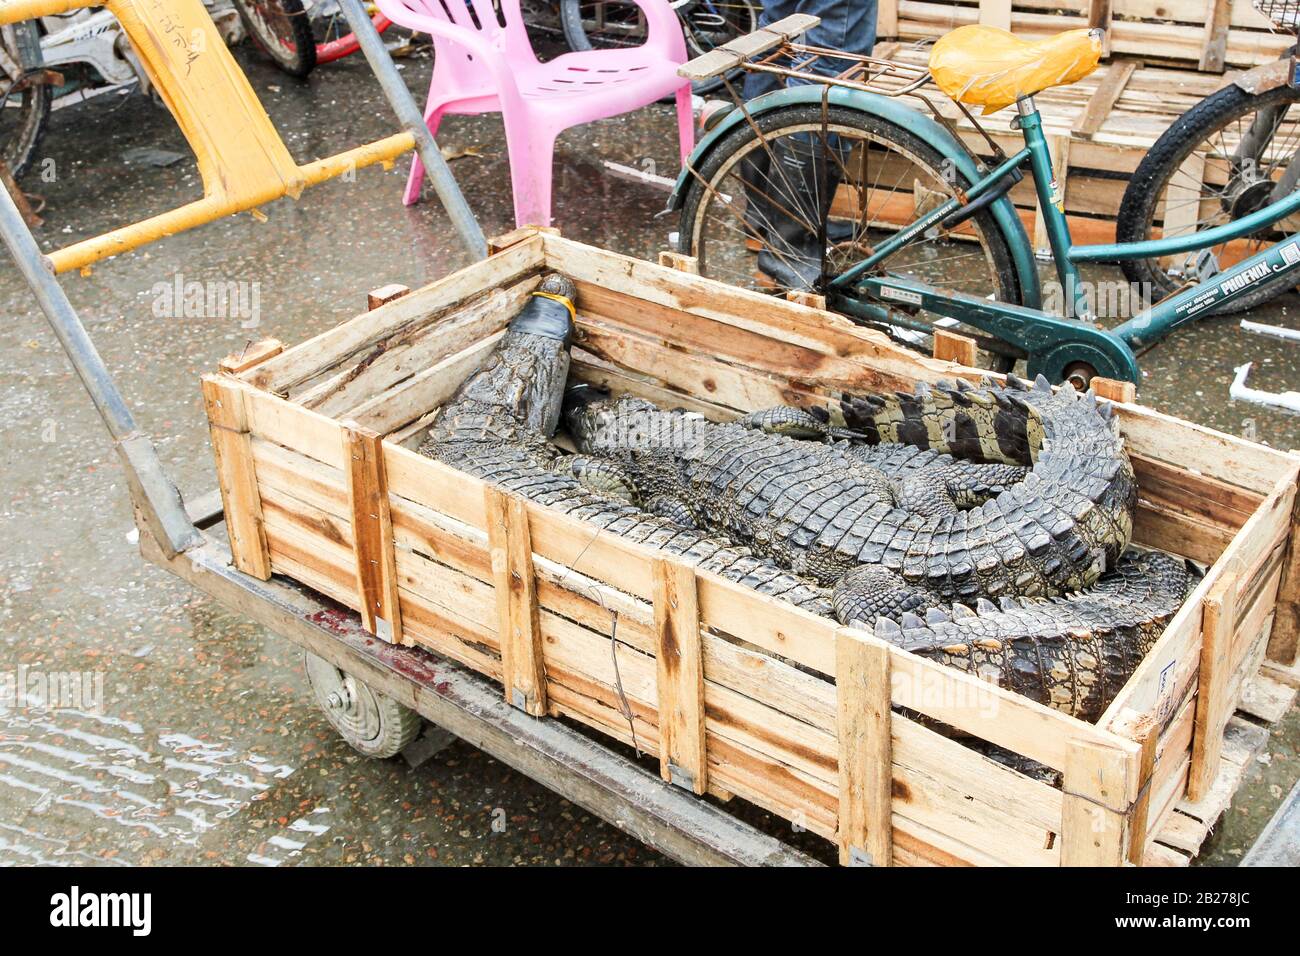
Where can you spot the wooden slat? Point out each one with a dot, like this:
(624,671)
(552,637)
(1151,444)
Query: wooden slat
(1146,732)
(252,354)
(1215,51)
(1284,643)
(1110,389)
(372,533)
(680,676)
(233,450)
(1099,17)
(812,300)
(864,729)
(1059,145)
(1211,701)
(995,13)
(951,347)
(523,672)
(1183,198)
(385,294)
(1099,787)
(515,236)
(1107,92)
(679,261)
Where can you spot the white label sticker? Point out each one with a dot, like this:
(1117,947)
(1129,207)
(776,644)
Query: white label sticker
(902,295)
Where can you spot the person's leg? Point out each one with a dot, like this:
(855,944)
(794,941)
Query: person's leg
(808,169)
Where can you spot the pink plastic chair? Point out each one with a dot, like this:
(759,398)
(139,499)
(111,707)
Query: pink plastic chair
(483,63)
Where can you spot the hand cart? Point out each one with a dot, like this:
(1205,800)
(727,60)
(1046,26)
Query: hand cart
(243,164)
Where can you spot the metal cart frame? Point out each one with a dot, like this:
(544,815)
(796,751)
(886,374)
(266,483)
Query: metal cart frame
(181,541)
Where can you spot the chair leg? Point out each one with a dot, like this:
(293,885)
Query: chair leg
(685,122)
(432,118)
(531,168)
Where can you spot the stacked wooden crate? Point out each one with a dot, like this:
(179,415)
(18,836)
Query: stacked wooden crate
(1162,59)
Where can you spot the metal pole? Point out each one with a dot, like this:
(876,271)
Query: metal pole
(155,496)
(412,120)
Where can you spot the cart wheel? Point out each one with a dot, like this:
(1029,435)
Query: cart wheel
(372,723)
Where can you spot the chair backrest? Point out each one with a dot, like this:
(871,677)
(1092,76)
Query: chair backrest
(501,23)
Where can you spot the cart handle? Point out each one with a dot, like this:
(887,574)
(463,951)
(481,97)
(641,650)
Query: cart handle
(242,161)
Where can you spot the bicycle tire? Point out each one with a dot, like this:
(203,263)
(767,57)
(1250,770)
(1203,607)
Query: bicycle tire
(346,45)
(19,150)
(1137,209)
(577,39)
(771,124)
(293,50)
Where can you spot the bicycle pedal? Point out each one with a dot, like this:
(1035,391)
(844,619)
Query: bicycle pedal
(1207,265)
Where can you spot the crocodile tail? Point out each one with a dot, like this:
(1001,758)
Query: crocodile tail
(1070,653)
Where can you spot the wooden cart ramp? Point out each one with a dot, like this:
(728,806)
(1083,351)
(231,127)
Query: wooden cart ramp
(737,694)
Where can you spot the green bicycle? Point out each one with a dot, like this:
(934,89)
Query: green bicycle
(844,190)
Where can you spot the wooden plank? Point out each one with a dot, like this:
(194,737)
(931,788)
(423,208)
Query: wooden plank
(1219,622)
(1099,17)
(1284,643)
(236,476)
(951,347)
(255,353)
(1111,390)
(864,732)
(995,13)
(523,671)
(1215,51)
(385,294)
(1099,789)
(679,261)
(1059,146)
(680,676)
(515,236)
(1183,198)
(812,300)
(887,19)
(1107,92)
(1146,732)
(336,345)
(372,532)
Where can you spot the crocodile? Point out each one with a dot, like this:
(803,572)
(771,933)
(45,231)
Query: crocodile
(820,511)
(497,427)
(1068,650)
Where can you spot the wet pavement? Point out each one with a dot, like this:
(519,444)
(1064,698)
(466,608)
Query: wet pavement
(199,741)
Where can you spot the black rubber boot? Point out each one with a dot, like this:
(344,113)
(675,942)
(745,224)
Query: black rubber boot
(802,176)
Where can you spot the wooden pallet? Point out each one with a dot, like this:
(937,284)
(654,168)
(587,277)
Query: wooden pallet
(1179,839)
(737,694)
(1161,60)
(1205,35)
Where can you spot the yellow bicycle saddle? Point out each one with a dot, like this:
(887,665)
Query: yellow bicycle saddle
(988,67)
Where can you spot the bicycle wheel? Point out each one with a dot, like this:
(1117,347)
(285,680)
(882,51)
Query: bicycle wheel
(707,24)
(281,30)
(755,214)
(24,105)
(334,37)
(1230,155)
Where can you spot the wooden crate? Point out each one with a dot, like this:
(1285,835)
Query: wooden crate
(1162,59)
(314,454)
(1206,35)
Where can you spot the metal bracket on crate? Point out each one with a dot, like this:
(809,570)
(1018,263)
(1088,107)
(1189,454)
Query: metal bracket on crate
(859,857)
(680,777)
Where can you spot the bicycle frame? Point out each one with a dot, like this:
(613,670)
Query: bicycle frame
(1047,340)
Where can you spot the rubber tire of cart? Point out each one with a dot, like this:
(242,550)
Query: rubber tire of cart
(372,724)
